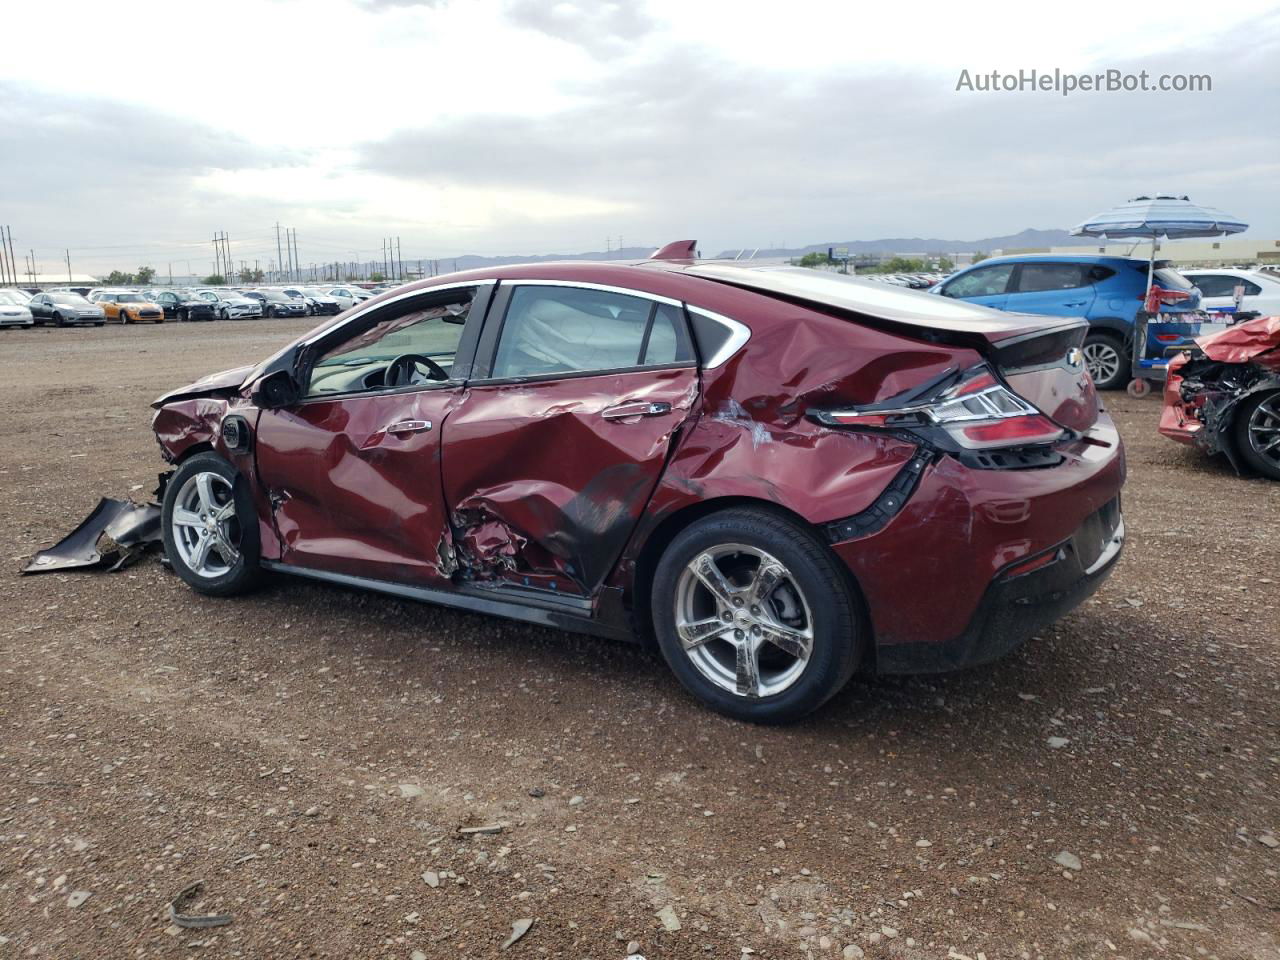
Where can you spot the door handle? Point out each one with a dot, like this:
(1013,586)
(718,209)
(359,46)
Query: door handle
(409,426)
(643,408)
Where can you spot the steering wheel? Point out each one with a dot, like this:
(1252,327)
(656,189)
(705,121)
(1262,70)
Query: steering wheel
(403,369)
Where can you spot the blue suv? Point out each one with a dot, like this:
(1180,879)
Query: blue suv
(1107,291)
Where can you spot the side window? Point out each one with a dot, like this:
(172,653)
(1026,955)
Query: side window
(1099,273)
(1214,284)
(556,330)
(359,363)
(1038,277)
(983,282)
(1251,289)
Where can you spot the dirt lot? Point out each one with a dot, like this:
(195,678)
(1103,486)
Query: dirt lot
(310,753)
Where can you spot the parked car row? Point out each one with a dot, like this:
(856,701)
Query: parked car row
(97,306)
(912,281)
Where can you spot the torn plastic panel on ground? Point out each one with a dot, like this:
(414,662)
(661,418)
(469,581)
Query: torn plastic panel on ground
(114,535)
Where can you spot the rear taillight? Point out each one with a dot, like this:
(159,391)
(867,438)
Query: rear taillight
(977,413)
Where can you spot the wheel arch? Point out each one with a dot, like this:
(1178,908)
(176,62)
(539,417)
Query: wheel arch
(672,525)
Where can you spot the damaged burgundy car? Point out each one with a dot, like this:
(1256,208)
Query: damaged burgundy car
(1223,396)
(778,475)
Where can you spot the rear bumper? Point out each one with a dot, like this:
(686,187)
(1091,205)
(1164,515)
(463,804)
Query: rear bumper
(1014,608)
(938,575)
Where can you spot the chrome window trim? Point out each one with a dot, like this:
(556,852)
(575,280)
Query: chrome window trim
(739,334)
(408,295)
(602,287)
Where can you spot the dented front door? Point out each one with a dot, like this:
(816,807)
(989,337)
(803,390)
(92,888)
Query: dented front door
(546,481)
(355,483)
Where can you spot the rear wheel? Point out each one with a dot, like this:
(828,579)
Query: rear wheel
(755,616)
(1105,359)
(1257,433)
(210,527)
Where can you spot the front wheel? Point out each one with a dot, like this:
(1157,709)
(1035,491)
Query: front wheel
(226,314)
(1257,433)
(1106,361)
(210,527)
(755,616)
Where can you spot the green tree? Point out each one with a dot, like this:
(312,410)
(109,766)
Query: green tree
(811,260)
(979,257)
(946,264)
(144,276)
(251,275)
(902,265)
(214,280)
(118,278)
(376,277)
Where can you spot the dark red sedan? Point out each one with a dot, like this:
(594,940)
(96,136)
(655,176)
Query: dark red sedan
(778,475)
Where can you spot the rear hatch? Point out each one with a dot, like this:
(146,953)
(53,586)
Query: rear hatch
(1039,357)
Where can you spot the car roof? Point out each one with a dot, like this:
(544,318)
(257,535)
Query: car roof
(1057,258)
(706,283)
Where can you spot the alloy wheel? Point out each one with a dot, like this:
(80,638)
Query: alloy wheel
(743,620)
(1264,429)
(206,530)
(1102,360)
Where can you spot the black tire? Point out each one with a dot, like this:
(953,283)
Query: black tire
(100,323)
(1109,349)
(124,319)
(59,319)
(245,573)
(183,316)
(226,314)
(1268,418)
(828,601)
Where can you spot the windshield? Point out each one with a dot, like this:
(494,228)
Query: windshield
(9,296)
(207,295)
(70,299)
(130,298)
(275,296)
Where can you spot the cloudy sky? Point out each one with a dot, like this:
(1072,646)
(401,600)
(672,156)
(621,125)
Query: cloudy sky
(131,131)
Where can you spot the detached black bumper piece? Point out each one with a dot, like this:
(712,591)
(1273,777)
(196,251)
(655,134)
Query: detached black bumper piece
(131,528)
(1026,597)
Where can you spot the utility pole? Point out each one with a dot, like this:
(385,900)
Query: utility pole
(400,257)
(34,270)
(297,260)
(4,258)
(279,252)
(69,280)
(13,260)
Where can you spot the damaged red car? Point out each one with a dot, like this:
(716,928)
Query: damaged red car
(1223,396)
(776,475)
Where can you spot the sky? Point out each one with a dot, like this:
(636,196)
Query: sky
(135,130)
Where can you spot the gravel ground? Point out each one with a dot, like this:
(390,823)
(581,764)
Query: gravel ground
(310,754)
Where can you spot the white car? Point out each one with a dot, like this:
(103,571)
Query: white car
(230,305)
(349,296)
(1217,289)
(13,309)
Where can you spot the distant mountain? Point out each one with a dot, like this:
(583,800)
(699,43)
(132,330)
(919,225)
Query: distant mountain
(473,261)
(1025,238)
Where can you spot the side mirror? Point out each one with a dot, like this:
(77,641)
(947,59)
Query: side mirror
(276,390)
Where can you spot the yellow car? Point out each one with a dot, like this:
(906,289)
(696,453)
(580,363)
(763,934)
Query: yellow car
(127,306)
